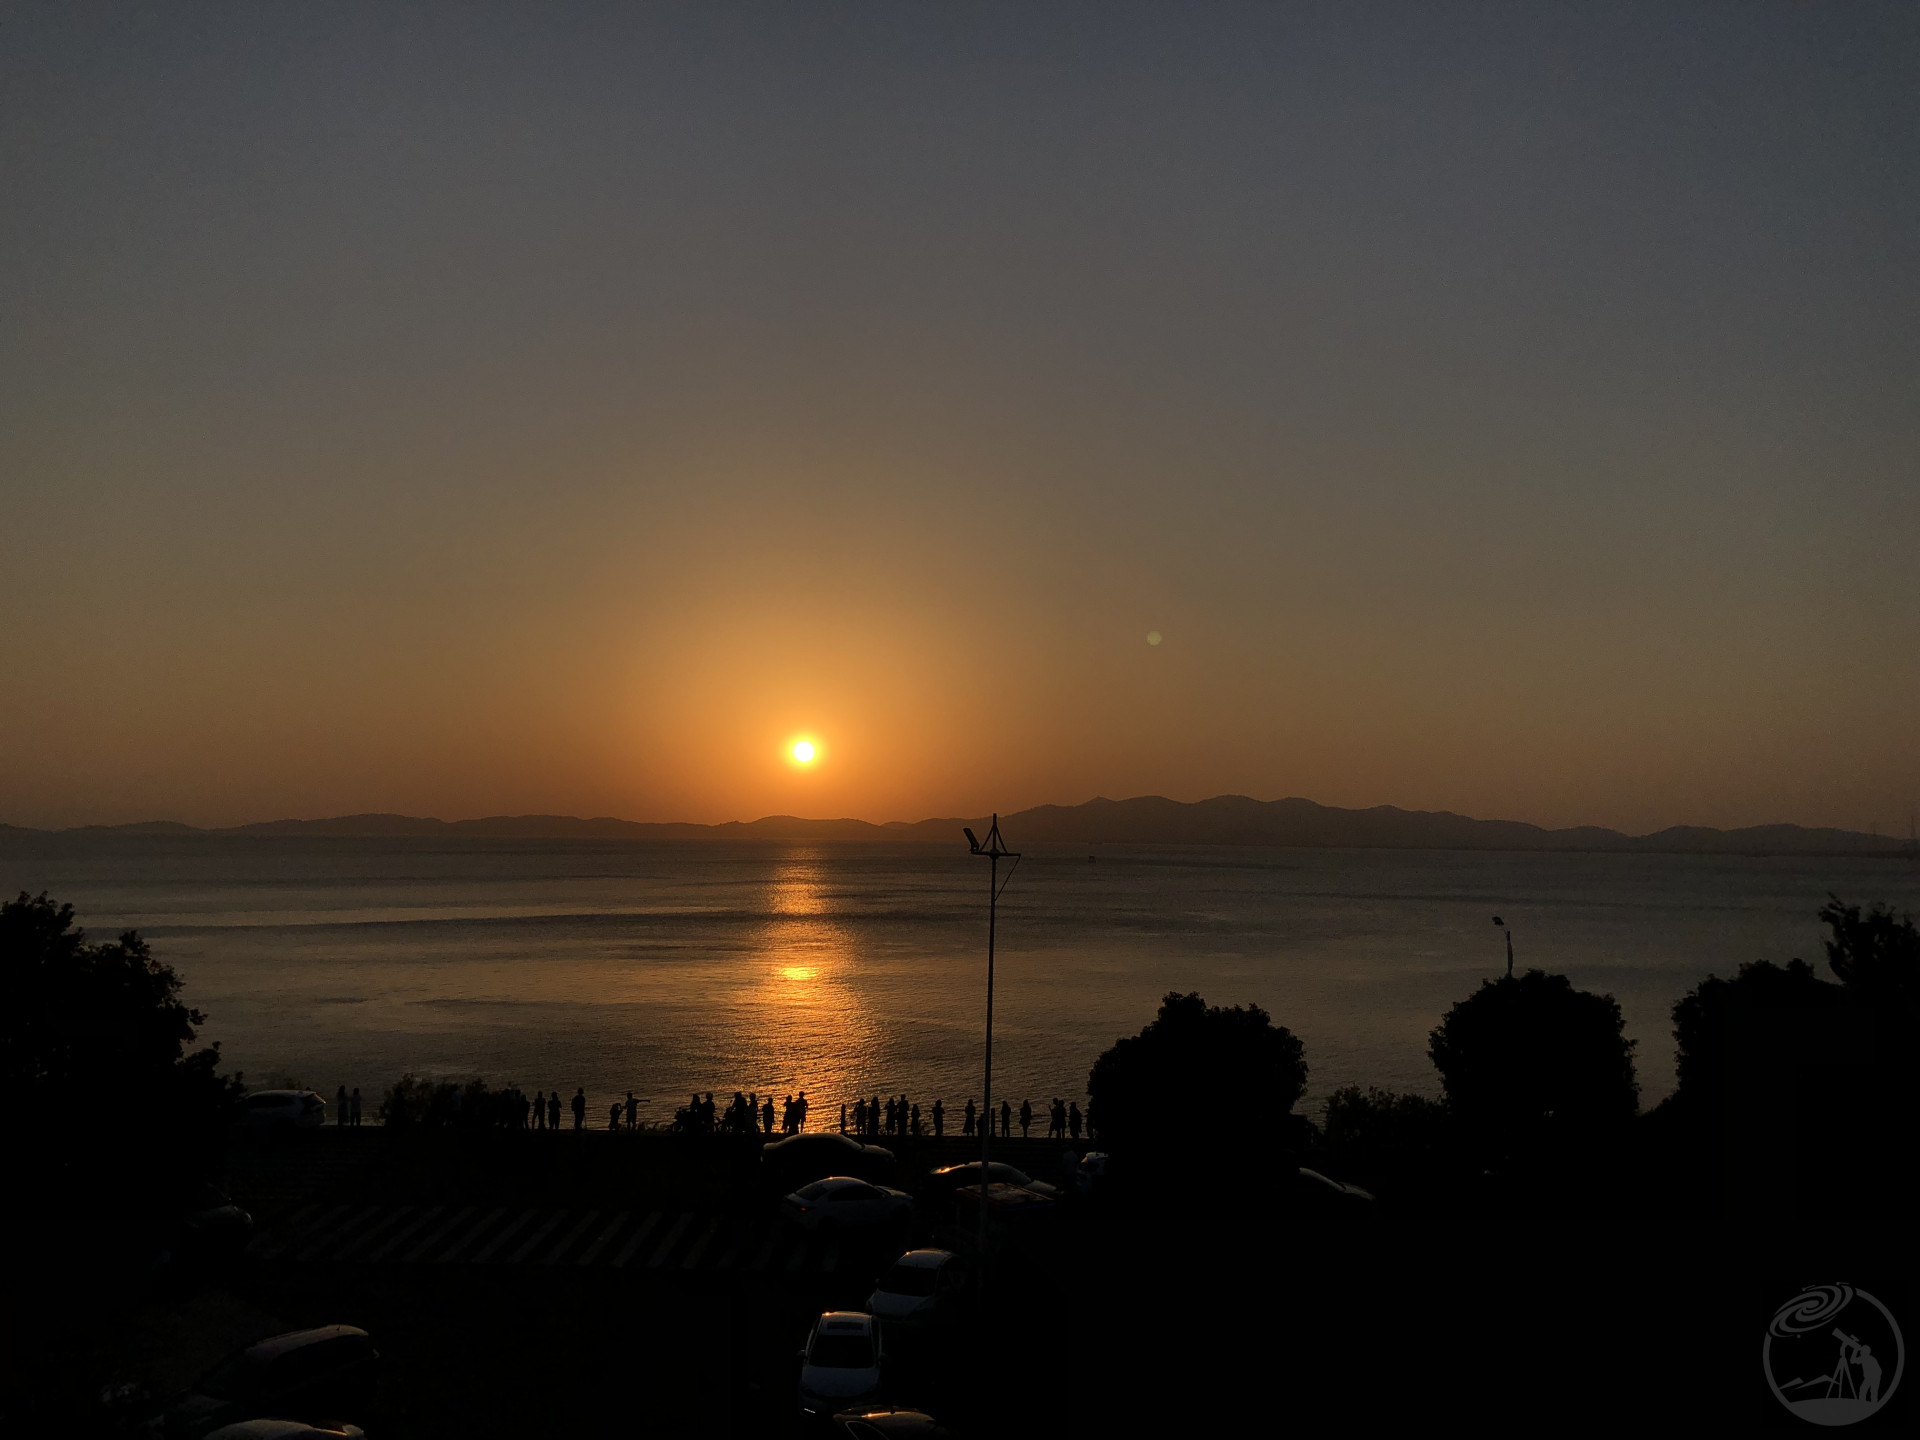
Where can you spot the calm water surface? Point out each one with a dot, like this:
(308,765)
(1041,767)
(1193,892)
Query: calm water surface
(665,968)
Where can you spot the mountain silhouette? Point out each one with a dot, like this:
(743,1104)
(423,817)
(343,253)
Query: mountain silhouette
(1144,820)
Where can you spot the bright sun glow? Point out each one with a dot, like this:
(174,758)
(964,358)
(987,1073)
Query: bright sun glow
(803,751)
(797,972)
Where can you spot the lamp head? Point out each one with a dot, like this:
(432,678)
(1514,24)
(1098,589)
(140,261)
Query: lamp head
(973,843)
(1498,921)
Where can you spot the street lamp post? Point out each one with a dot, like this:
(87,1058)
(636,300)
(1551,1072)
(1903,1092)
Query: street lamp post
(994,848)
(1503,925)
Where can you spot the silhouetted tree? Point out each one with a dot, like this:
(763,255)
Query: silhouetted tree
(1717,1016)
(1197,1074)
(1876,956)
(106,1097)
(1528,1058)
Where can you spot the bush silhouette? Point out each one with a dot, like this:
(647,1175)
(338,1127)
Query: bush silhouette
(1382,1131)
(1528,1058)
(1197,1073)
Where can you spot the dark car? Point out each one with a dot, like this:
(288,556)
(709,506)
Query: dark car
(213,1230)
(947,1180)
(881,1423)
(310,1375)
(799,1160)
(1314,1194)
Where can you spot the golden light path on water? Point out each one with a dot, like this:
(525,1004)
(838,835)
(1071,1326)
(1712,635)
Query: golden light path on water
(805,1006)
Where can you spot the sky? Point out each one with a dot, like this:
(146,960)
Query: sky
(481,409)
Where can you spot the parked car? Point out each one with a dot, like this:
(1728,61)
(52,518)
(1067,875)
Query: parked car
(842,1202)
(882,1423)
(320,1374)
(286,1430)
(1336,1197)
(790,1163)
(922,1287)
(213,1228)
(840,1364)
(283,1110)
(1004,1202)
(950,1178)
(1093,1169)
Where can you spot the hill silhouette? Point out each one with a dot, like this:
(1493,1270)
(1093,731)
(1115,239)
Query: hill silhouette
(1143,820)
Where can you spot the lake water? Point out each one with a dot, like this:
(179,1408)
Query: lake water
(668,967)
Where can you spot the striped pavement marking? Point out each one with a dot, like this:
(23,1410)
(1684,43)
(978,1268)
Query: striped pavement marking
(533,1241)
(765,1256)
(434,1237)
(506,1233)
(743,1236)
(274,1248)
(606,1236)
(420,1223)
(699,1246)
(676,1241)
(347,1225)
(635,1240)
(801,1245)
(673,1238)
(572,1238)
(480,1227)
(370,1233)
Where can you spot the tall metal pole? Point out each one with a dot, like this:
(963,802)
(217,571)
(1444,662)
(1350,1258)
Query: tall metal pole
(986,1085)
(993,848)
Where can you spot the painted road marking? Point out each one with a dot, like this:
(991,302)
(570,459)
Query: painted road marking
(606,1235)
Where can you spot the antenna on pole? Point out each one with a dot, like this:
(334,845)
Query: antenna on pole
(1503,925)
(995,849)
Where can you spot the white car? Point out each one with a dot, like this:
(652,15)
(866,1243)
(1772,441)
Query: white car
(283,1109)
(919,1288)
(841,1202)
(841,1363)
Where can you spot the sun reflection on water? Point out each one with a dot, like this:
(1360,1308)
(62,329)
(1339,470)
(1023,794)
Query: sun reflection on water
(812,1027)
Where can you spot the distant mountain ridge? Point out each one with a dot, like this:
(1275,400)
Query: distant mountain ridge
(1144,820)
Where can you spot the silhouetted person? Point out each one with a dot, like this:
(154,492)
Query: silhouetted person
(1026,1117)
(340,1107)
(1006,1119)
(526,1107)
(1057,1119)
(553,1111)
(633,1109)
(766,1115)
(613,1116)
(580,1107)
(939,1119)
(539,1109)
(967,1123)
(355,1103)
(914,1123)
(1073,1121)
(800,1113)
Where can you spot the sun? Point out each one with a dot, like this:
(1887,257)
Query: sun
(803,752)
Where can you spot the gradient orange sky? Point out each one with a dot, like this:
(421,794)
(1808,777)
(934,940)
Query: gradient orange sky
(470,411)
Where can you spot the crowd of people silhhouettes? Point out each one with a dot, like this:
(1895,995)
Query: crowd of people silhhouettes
(894,1117)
